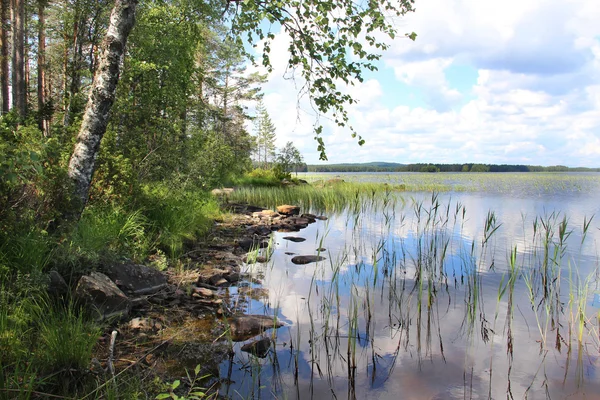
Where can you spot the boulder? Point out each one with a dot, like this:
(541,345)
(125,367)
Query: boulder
(295,239)
(56,284)
(259,348)
(287,209)
(306,259)
(99,292)
(136,279)
(244,327)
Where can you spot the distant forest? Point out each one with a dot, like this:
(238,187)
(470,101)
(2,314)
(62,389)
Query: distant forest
(468,167)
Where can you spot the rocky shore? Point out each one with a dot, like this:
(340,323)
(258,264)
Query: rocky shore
(167,321)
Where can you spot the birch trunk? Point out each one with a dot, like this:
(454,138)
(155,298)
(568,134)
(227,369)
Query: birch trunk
(102,94)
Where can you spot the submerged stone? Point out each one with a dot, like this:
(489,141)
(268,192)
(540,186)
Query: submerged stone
(294,239)
(307,259)
(259,348)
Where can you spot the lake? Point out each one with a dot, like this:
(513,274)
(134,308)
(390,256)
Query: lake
(486,287)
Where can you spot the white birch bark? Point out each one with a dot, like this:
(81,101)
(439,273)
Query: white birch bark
(102,95)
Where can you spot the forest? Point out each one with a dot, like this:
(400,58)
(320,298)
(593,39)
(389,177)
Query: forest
(118,117)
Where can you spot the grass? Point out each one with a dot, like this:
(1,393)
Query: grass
(336,197)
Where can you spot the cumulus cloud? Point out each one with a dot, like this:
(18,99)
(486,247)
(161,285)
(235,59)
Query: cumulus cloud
(535,99)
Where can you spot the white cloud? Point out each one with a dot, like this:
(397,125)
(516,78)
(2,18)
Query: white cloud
(536,98)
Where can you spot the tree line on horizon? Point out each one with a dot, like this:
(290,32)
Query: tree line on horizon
(423,167)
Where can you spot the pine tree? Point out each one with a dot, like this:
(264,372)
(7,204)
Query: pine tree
(265,135)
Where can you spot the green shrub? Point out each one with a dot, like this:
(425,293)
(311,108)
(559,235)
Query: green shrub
(176,215)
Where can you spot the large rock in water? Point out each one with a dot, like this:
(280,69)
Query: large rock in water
(246,326)
(99,292)
(287,209)
(306,259)
(136,279)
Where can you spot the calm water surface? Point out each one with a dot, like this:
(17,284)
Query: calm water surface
(465,294)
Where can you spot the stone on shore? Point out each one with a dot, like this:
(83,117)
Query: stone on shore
(287,209)
(99,292)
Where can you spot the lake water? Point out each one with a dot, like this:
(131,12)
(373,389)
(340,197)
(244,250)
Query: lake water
(488,289)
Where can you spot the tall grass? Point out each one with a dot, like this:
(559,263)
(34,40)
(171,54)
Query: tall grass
(337,197)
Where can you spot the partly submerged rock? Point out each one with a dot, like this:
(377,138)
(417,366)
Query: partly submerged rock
(136,279)
(244,327)
(294,239)
(248,244)
(306,259)
(259,348)
(287,209)
(99,292)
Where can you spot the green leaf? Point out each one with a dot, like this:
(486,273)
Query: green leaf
(163,396)
(175,384)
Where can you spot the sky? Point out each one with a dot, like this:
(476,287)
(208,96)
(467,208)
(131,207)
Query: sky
(502,82)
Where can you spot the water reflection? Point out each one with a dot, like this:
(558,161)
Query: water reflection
(459,295)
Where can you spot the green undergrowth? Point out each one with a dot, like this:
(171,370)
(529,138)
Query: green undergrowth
(264,178)
(46,344)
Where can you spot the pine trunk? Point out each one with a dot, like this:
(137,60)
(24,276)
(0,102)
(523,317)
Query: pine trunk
(101,98)
(4,79)
(41,68)
(18,55)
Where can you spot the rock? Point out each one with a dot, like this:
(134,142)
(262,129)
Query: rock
(244,327)
(141,324)
(295,239)
(259,348)
(57,286)
(248,244)
(228,258)
(222,192)
(100,293)
(136,279)
(261,230)
(254,293)
(222,282)
(264,214)
(321,217)
(298,222)
(204,292)
(233,277)
(303,182)
(306,259)
(251,259)
(287,209)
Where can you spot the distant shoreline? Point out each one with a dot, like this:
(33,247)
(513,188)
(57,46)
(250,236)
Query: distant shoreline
(422,167)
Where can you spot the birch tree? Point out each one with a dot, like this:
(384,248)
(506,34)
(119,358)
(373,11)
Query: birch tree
(102,95)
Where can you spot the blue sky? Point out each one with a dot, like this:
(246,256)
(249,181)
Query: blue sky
(514,82)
